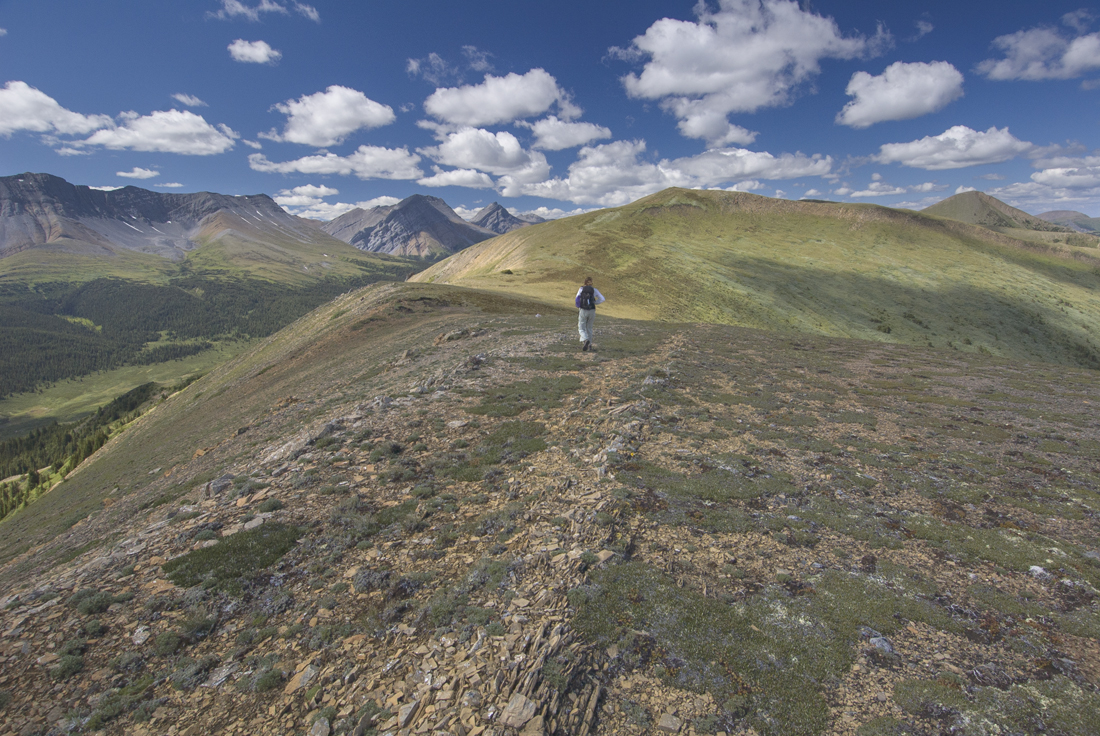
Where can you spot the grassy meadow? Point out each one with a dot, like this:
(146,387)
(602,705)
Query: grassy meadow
(74,398)
(830,269)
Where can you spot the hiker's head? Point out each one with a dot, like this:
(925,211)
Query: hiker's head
(587,280)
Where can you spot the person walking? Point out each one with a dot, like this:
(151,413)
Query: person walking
(588,296)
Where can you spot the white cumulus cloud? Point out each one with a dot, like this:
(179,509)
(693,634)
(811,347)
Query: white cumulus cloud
(955,148)
(327,118)
(166,131)
(878,189)
(3,32)
(500,100)
(253,52)
(901,92)
(138,173)
(457,178)
(552,134)
(188,100)
(928,186)
(495,153)
(1045,52)
(316,208)
(433,68)
(23,107)
(170,185)
(304,196)
(718,166)
(1036,196)
(749,185)
(746,55)
(367,162)
(614,173)
(1084,175)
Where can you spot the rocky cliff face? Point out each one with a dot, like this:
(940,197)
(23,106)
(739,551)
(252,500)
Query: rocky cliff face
(40,209)
(500,221)
(416,226)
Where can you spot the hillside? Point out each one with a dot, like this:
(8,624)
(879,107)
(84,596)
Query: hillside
(978,208)
(860,271)
(1077,221)
(106,281)
(419,226)
(422,507)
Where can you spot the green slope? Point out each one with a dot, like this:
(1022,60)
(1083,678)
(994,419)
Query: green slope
(833,269)
(226,255)
(71,309)
(331,351)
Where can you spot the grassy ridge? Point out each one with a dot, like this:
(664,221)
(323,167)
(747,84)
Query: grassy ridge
(776,505)
(332,349)
(840,270)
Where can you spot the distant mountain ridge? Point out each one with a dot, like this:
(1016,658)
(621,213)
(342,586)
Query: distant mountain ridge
(41,209)
(978,208)
(418,225)
(1077,221)
(501,221)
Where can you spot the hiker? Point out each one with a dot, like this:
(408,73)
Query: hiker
(588,296)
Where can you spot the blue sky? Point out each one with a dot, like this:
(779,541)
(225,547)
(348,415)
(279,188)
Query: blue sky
(556,107)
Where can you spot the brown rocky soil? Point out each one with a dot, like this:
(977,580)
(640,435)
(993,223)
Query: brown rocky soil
(690,530)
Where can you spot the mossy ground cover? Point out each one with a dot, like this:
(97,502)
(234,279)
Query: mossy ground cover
(234,558)
(866,467)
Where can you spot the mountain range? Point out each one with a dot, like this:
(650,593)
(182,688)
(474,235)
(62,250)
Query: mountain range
(46,213)
(40,209)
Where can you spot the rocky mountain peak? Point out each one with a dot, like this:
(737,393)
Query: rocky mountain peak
(494,217)
(419,225)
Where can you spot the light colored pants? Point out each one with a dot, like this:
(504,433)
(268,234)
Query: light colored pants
(584,323)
